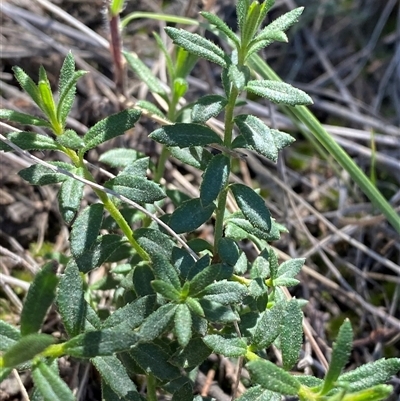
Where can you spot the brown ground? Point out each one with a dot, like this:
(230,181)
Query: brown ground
(346,57)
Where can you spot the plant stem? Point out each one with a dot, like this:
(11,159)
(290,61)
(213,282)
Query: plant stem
(161,164)
(151,388)
(220,212)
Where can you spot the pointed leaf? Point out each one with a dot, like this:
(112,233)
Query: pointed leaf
(27,85)
(221,26)
(49,384)
(71,301)
(154,360)
(23,118)
(183,324)
(207,107)
(100,343)
(157,322)
(114,374)
(340,355)
(285,21)
(70,139)
(9,335)
(214,179)
(154,241)
(197,45)
(258,136)
(40,296)
(257,393)
(185,135)
(279,92)
(228,251)
(144,73)
(218,313)
(225,292)
(165,271)
(190,215)
(86,229)
(291,336)
(252,206)
(25,349)
(209,275)
(287,271)
(192,355)
(167,290)
(229,347)
(110,127)
(41,175)
(271,377)
(195,156)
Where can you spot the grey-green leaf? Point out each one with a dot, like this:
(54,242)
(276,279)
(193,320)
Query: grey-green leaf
(135,188)
(183,324)
(70,139)
(221,26)
(214,179)
(69,198)
(252,206)
(41,175)
(195,156)
(185,135)
(110,127)
(40,296)
(86,229)
(9,335)
(208,106)
(291,336)
(225,292)
(50,384)
(273,378)
(33,141)
(119,157)
(279,92)
(197,45)
(190,215)
(229,347)
(209,275)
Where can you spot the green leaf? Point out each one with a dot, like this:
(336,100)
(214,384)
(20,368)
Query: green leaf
(119,157)
(242,7)
(154,242)
(40,296)
(214,179)
(154,360)
(340,356)
(218,313)
(27,85)
(114,374)
(376,393)
(25,349)
(291,336)
(197,45)
(285,21)
(271,377)
(252,206)
(207,107)
(49,384)
(102,250)
(157,322)
(268,327)
(167,290)
(149,107)
(195,156)
(209,275)
(67,72)
(228,251)
(257,393)
(221,26)
(287,271)
(9,335)
(279,92)
(144,73)
(194,306)
(142,278)
(239,76)
(192,355)
(258,136)
(370,374)
(183,324)
(67,97)
(225,292)
(137,189)
(259,43)
(260,267)
(100,343)
(242,264)
(131,315)
(185,135)
(165,271)
(229,347)
(184,393)
(190,215)
(70,139)
(71,301)
(86,229)
(41,175)
(23,118)
(110,127)
(69,198)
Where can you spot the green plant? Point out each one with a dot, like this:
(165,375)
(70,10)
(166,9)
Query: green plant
(175,305)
